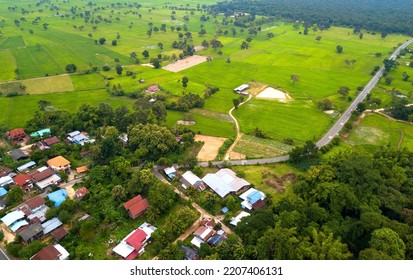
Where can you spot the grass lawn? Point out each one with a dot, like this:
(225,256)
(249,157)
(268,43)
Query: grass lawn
(377,130)
(299,120)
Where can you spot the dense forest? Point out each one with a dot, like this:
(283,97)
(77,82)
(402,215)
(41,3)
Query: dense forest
(383,16)
(355,205)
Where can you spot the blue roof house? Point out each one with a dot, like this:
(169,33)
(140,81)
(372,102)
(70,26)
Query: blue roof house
(40,133)
(3,192)
(58,197)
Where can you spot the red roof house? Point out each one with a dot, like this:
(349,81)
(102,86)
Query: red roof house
(136,206)
(24,181)
(152,88)
(17,135)
(81,192)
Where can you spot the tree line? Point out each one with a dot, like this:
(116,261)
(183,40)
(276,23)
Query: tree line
(383,16)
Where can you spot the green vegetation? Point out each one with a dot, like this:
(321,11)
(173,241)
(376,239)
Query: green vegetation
(378,130)
(44,44)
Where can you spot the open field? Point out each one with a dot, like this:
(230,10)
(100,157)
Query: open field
(209,150)
(378,130)
(36,51)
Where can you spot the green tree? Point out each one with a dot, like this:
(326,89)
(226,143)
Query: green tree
(114,42)
(388,242)
(31,249)
(171,252)
(119,69)
(14,196)
(185,81)
(102,41)
(295,78)
(231,249)
(71,68)
(318,39)
(145,54)
(339,49)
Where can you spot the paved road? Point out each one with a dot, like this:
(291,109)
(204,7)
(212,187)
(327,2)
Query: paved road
(3,255)
(333,131)
(347,114)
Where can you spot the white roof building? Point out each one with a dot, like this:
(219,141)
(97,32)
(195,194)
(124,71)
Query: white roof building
(238,218)
(12,217)
(225,181)
(196,241)
(64,253)
(6,180)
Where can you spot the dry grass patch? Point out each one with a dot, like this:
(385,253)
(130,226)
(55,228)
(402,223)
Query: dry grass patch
(53,84)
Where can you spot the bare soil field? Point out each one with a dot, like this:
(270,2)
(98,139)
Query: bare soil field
(182,122)
(185,63)
(275,94)
(235,155)
(209,150)
(61,83)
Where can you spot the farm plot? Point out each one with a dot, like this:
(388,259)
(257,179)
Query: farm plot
(8,66)
(209,150)
(253,147)
(54,84)
(185,63)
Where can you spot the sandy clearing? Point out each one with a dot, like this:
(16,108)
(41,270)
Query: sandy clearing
(198,48)
(185,63)
(209,150)
(329,112)
(272,93)
(8,235)
(235,155)
(70,192)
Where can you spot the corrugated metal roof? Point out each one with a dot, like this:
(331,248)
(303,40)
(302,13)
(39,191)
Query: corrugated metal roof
(191,177)
(215,183)
(12,217)
(51,225)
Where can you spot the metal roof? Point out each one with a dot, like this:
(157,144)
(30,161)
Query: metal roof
(12,217)
(51,225)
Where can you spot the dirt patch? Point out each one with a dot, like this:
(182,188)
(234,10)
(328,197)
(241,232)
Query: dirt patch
(274,94)
(70,192)
(256,88)
(235,155)
(209,150)
(182,122)
(8,235)
(198,48)
(278,183)
(185,63)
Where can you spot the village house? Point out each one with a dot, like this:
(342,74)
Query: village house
(35,209)
(152,89)
(24,181)
(59,234)
(82,169)
(189,179)
(52,252)
(225,182)
(81,192)
(136,206)
(170,172)
(133,245)
(80,138)
(31,233)
(41,133)
(25,167)
(252,199)
(44,177)
(51,225)
(58,197)
(203,232)
(4,171)
(59,163)
(238,218)
(47,143)
(18,154)
(16,135)
(15,220)
(241,89)
(6,180)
